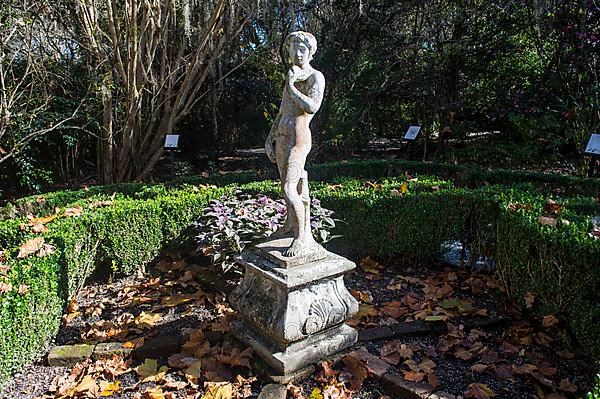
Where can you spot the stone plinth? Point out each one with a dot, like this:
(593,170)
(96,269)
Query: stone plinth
(293,315)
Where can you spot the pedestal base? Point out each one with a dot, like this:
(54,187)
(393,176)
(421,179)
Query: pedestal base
(293,315)
(299,354)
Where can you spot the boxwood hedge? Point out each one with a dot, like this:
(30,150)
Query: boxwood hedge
(124,227)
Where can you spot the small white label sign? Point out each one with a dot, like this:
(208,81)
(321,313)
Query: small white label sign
(412,133)
(593,146)
(171,140)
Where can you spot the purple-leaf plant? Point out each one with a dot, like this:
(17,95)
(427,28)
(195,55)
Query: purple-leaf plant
(232,223)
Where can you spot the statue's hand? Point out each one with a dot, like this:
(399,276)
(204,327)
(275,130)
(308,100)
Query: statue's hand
(293,73)
(270,150)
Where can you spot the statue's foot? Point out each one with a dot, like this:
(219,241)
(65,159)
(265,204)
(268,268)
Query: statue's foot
(301,247)
(297,248)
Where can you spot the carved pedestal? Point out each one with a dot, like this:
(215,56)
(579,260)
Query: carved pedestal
(293,311)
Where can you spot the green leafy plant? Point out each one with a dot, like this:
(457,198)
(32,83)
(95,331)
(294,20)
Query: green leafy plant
(232,223)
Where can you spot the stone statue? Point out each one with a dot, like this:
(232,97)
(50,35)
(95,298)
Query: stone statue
(292,301)
(289,141)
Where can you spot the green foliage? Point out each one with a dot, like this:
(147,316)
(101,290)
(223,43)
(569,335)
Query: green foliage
(231,223)
(595,392)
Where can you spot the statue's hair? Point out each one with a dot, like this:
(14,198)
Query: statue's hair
(303,37)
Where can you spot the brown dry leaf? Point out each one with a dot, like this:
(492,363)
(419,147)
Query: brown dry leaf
(23,288)
(479,391)
(109,388)
(415,376)
(394,285)
(463,354)
(549,321)
(39,228)
(134,343)
(149,371)
(154,393)
(370,266)
(362,296)
(529,299)
(73,212)
(393,309)
(479,368)
(176,300)
(365,310)
(5,287)
(433,380)
(232,356)
(358,370)
(548,221)
(147,320)
(552,207)
(88,384)
(328,371)
(31,246)
(217,391)
(194,372)
(427,366)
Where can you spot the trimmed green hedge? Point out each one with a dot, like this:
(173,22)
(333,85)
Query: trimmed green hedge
(405,218)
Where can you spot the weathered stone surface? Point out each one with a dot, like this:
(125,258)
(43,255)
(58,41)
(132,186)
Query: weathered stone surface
(394,384)
(273,391)
(159,347)
(106,350)
(68,355)
(274,249)
(441,395)
(267,373)
(291,304)
(374,334)
(300,353)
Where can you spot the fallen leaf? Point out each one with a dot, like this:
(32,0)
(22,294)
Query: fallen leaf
(433,380)
(370,266)
(110,388)
(5,287)
(358,370)
(31,247)
(217,391)
(194,372)
(548,221)
(479,368)
(147,320)
(73,212)
(415,376)
(479,391)
(154,393)
(315,394)
(529,299)
(549,321)
(23,288)
(365,310)
(149,371)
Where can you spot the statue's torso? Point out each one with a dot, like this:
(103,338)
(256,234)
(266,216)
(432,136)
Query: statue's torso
(294,122)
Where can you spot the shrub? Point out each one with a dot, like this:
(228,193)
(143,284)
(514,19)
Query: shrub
(231,223)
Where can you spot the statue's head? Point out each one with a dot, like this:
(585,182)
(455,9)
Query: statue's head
(301,47)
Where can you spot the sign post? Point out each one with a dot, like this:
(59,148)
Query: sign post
(593,150)
(171,145)
(410,137)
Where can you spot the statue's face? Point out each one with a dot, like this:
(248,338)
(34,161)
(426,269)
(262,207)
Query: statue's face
(299,53)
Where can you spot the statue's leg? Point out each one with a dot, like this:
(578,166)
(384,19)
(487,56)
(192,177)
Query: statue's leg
(293,174)
(305,195)
(287,228)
